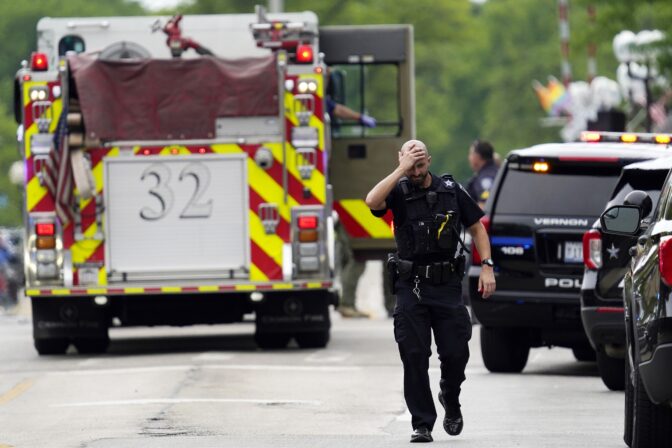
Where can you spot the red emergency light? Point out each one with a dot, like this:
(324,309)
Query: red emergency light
(39,62)
(307,222)
(45,229)
(304,54)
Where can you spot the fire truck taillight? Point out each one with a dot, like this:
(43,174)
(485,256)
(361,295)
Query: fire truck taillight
(39,62)
(307,222)
(45,235)
(304,54)
(45,242)
(45,229)
(307,228)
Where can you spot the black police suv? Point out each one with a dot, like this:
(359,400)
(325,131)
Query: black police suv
(605,259)
(647,296)
(543,200)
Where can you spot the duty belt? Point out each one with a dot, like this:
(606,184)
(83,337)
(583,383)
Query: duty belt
(438,272)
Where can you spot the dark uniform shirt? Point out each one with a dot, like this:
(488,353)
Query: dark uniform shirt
(469,210)
(479,185)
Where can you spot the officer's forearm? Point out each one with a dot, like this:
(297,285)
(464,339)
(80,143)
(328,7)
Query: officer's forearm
(481,241)
(376,197)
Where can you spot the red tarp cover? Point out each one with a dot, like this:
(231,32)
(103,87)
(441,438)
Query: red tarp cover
(159,99)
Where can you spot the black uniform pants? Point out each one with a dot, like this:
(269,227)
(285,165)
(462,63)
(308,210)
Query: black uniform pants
(440,309)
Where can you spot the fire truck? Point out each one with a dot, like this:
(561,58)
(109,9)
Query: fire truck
(185,170)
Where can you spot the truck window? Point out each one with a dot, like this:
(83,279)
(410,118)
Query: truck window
(569,193)
(372,89)
(71,42)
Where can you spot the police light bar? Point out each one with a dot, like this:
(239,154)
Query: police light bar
(625,137)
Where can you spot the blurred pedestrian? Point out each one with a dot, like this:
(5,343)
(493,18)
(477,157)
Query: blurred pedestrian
(484,166)
(341,111)
(429,213)
(351,270)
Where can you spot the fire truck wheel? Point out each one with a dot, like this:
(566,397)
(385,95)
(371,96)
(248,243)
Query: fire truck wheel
(52,346)
(269,341)
(313,339)
(91,345)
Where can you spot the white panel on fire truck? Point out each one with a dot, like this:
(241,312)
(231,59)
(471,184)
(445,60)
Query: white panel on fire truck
(176,217)
(226,35)
(248,127)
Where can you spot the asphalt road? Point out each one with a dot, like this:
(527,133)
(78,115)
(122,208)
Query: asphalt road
(210,387)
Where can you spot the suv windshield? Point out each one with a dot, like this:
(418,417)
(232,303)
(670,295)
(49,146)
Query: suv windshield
(575,192)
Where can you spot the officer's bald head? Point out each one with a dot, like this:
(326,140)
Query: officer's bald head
(414,144)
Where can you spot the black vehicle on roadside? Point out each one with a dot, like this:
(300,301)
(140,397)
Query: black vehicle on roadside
(543,200)
(605,259)
(647,296)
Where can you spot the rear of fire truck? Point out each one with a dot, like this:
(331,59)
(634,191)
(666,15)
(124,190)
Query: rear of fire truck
(166,186)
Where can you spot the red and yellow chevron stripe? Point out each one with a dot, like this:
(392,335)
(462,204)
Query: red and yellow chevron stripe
(360,223)
(38,198)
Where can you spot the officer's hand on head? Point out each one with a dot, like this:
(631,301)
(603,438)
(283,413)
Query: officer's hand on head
(367,121)
(408,158)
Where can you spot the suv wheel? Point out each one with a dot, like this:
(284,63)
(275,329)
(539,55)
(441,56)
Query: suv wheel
(504,350)
(612,371)
(651,423)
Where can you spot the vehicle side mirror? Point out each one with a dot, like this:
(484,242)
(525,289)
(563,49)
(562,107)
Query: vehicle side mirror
(621,220)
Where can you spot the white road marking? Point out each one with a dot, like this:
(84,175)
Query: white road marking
(88,362)
(131,370)
(186,400)
(334,356)
(284,368)
(213,356)
(181,368)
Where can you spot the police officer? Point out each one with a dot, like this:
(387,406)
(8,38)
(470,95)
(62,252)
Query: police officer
(482,162)
(429,212)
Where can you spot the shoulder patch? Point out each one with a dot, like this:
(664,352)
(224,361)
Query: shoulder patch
(486,183)
(449,183)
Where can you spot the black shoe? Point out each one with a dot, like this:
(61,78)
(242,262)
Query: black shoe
(421,435)
(452,422)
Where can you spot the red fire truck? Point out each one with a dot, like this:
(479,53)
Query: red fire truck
(187,180)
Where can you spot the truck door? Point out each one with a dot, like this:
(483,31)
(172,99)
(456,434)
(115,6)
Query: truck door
(371,71)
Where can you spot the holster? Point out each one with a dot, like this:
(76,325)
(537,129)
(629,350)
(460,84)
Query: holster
(392,274)
(460,266)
